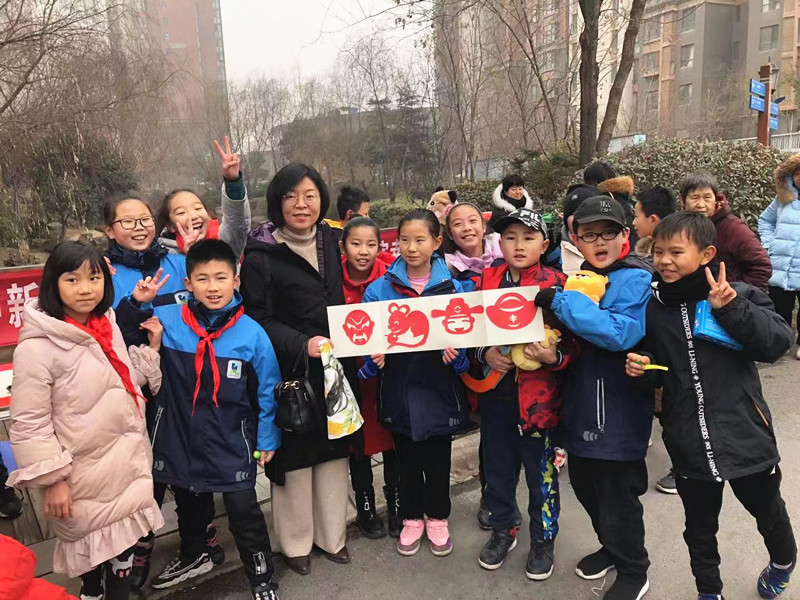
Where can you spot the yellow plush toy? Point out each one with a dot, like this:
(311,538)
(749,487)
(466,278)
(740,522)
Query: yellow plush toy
(588,283)
(552,336)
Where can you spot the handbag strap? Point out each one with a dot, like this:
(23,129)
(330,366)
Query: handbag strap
(321,261)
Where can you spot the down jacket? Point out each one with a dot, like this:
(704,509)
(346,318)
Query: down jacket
(716,423)
(779,228)
(738,247)
(72,420)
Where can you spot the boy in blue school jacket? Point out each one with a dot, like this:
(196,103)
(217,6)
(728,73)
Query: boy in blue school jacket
(216,408)
(607,421)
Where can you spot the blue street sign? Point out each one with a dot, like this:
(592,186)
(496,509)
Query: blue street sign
(773,124)
(773,109)
(758,88)
(758,104)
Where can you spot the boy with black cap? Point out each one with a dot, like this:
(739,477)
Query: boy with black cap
(607,423)
(521,415)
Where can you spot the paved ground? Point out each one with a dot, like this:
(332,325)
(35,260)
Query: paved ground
(378,572)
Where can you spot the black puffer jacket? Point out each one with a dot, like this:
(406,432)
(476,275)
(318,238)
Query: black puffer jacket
(717,425)
(289,299)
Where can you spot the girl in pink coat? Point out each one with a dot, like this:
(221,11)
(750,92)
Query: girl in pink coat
(77,425)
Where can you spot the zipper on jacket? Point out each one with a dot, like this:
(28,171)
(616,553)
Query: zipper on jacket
(155,427)
(601,405)
(246,443)
(761,414)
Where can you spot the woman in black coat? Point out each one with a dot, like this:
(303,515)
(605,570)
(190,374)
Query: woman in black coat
(290,275)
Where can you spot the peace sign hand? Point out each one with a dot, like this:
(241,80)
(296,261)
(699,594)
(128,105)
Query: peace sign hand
(147,289)
(230,162)
(721,291)
(190,238)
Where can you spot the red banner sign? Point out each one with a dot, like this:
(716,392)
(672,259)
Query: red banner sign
(16,287)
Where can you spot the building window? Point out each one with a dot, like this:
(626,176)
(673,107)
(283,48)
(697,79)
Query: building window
(651,29)
(651,100)
(548,61)
(165,21)
(735,51)
(574,24)
(650,63)
(687,18)
(685,94)
(551,33)
(687,56)
(553,5)
(768,5)
(768,38)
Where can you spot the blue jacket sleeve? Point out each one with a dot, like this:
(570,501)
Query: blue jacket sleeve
(617,325)
(265,364)
(766,224)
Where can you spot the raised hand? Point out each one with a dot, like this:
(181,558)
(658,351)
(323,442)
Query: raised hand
(721,291)
(154,330)
(635,364)
(148,288)
(230,162)
(191,237)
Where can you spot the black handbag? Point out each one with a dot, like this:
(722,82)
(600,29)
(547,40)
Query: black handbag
(297,404)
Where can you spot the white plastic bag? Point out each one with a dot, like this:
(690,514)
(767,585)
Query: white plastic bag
(344,416)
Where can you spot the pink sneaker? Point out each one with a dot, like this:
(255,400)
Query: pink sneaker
(439,536)
(408,544)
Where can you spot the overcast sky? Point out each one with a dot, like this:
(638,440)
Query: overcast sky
(280,37)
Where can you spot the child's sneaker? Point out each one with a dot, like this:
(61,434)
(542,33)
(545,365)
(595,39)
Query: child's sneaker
(773,581)
(438,533)
(495,550)
(625,588)
(265,591)
(215,552)
(710,597)
(92,585)
(408,544)
(180,570)
(540,560)
(595,566)
(10,504)
(666,485)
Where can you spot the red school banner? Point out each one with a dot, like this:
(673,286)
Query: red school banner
(16,287)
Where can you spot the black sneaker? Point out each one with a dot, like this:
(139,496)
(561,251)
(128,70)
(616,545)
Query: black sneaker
(215,552)
(141,562)
(595,566)
(494,552)
(92,585)
(483,515)
(10,504)
(625,588)
(265,591)
(666,485)
(540,560)
(180,570)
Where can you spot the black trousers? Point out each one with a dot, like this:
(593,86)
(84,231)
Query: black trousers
(245,519)
(424,476)
(361,472)
(760,494)
(784,301)
(115,585)
(609,492)
(3,473)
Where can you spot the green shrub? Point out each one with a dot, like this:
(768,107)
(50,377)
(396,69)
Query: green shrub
(387,213)
(744,170)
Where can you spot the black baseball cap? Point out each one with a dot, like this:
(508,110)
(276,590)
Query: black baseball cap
(526,216)
(599,208)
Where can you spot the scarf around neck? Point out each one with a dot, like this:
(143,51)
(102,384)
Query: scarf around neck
(101,331)
(491,252)
(693,287)
(147,261)
(304,246)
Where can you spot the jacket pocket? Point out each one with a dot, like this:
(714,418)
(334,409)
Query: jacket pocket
(159,414)
(246,443)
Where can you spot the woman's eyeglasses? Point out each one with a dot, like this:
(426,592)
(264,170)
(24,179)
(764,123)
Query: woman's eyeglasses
(607,235)
(293,199)
(132,223)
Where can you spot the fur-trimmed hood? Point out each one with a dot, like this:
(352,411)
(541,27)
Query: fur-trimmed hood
(505,205)
(644,246)
(785,189)
(617,185)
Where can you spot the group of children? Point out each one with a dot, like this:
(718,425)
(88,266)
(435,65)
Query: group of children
(180,339)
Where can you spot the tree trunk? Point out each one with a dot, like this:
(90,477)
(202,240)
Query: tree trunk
(621,78)
(589,78)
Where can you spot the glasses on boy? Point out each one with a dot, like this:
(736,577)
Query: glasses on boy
(591,236)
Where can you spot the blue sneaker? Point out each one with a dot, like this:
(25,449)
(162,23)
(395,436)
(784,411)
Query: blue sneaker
(710,597)
(772,582)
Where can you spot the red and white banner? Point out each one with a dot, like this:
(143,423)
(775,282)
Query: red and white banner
(489,318)
(16,287)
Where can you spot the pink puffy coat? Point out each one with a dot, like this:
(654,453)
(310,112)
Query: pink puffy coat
(71,419)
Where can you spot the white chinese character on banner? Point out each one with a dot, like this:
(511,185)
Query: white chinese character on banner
(395,249)
(384,246)
(17,296)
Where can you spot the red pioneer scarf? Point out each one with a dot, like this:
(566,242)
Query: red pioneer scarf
(205,342)
(100,329)
(211,234)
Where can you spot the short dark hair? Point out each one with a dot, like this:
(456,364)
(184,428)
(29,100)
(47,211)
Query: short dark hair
(207,250)
(425,215)
(360,221)
(598,172)
(112,201)
(512,180)
(350,198)
(163,212)
(698,180)
(657,200)
(699,229)
(65,258)
(285,181)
